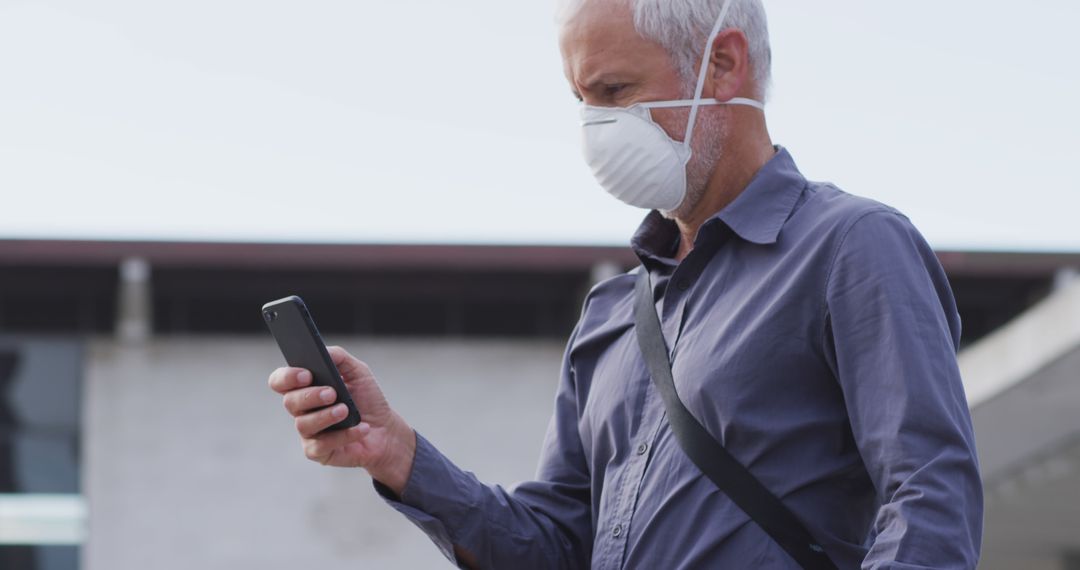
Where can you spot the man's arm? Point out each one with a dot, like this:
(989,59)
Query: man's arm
(892,335)
(540,524)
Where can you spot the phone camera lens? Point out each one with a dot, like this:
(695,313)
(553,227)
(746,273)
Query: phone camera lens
(270,316)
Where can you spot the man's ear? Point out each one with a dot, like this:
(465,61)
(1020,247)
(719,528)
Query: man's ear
(729,66)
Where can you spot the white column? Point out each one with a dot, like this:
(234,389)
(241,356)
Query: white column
(1064,277)
(134,319)
(604,270)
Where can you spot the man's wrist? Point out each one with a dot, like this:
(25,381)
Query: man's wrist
(395,471)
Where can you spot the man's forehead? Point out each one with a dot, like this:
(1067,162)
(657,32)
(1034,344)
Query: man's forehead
(574,8)
(601,31)
(598,23)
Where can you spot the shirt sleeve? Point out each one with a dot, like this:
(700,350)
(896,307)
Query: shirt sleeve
(540,524)
(892,332)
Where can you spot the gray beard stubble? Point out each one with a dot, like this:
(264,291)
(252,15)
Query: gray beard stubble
(706,150)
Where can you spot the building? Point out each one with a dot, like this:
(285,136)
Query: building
(137,431)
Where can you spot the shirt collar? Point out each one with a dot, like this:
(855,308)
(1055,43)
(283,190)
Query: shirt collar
(756,215)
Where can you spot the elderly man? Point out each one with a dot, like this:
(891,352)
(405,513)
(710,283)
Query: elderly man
(811,335)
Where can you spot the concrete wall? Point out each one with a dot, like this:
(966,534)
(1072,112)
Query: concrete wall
(190,461)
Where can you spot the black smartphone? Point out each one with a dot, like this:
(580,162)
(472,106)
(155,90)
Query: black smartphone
(294,330)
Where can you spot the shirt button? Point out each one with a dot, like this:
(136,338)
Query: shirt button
(641,449)
(617,531)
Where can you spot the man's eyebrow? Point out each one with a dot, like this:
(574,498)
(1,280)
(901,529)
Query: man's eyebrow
(599,81)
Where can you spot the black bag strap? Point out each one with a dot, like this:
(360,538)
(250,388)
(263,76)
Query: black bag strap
(707,453)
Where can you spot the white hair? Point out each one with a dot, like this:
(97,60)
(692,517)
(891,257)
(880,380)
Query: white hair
(682,27)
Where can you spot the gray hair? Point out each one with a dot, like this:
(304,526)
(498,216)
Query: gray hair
(682,27)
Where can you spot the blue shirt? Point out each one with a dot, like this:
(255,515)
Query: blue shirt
(814,334)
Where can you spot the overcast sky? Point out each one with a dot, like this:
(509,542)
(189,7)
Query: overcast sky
(450,121)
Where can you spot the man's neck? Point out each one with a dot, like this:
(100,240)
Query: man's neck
(733,174)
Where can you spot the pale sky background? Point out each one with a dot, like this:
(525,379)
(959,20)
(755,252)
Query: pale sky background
(450,121)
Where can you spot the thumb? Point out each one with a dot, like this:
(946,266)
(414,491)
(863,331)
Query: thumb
(350,367)
(361,383)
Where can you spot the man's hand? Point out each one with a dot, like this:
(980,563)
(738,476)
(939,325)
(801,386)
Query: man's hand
(382,443)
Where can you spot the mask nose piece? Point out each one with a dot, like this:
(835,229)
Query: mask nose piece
(594,122)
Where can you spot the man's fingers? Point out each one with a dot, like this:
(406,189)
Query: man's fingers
(284,380)
(303,400)
(320,447)
(310,424)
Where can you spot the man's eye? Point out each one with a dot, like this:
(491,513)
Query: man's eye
(614,89)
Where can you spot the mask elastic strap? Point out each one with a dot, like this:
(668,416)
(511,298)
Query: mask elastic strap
(701,74)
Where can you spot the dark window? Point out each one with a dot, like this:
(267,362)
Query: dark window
(384,303)
(986,303)
(58,299)
(40,380)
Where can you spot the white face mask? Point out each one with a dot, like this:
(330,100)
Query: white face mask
(633,158)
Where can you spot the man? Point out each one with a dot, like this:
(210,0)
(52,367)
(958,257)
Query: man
(812,333)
